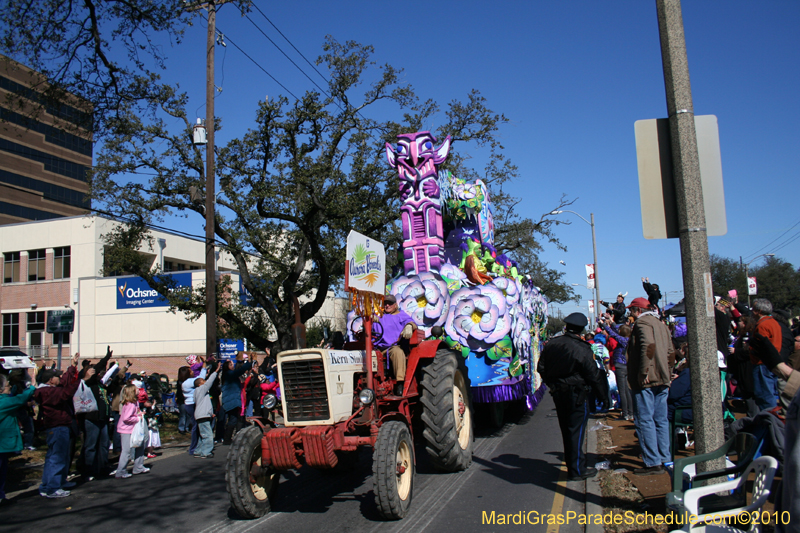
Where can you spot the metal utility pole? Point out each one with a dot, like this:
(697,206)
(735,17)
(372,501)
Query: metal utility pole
(747,273)
(211,279)
(596,277)
(594,250)
(699,299)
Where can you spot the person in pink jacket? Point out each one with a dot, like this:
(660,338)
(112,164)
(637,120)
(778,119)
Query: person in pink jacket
(129,415)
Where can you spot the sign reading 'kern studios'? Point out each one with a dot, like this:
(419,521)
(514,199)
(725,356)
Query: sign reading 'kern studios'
(134,292)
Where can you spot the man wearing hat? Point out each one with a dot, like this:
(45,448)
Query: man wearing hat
(617,309)
(54,397)
(394,326)
(650,357)
(568,368)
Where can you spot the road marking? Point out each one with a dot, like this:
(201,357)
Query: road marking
(444,488)
(440,490)
(558,499)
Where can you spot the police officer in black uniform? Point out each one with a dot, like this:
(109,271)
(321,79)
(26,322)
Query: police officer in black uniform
(568,368)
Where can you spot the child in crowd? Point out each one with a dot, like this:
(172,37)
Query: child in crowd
(154,418)
(204,412)
(128,418)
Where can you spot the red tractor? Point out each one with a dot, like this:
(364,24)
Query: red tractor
(333,402)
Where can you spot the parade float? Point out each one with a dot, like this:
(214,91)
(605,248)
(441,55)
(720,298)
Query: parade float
(452,277)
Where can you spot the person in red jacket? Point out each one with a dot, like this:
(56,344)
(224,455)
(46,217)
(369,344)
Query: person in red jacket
(54,397)
(765,383)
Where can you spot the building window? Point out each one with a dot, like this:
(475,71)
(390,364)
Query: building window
(36,265)
(63,336)
(11,329)
(61,263)
(168,266)
(36,321)
(181,267)
(11,267)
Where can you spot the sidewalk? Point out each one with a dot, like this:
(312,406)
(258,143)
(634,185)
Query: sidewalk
(624,491)
(31,480)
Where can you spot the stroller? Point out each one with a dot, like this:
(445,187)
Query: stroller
(161,390)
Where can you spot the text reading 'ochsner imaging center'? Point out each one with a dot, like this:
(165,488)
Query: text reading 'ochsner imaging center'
(134,292)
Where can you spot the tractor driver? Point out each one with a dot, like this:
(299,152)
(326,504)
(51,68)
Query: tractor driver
(396,325)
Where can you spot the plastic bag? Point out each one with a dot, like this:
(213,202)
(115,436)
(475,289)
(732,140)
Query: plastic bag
(83,400)
(612,382)
(138,434)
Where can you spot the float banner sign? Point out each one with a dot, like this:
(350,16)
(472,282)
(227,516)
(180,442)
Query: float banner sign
(366,264)
(228,348)
(134,292)
(61,321)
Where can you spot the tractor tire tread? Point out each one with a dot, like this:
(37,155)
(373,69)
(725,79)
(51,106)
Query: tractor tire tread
(237,475)
(437,400)
(388,500)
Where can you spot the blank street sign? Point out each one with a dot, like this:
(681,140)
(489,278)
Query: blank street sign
(656,185)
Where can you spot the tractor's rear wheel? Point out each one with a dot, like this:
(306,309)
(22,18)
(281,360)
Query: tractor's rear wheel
(250,487)
(447,412)
(393,470)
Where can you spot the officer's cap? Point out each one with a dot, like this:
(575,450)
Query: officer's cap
(576,321)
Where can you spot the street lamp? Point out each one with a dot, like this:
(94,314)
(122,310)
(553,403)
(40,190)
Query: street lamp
(746,273)
(666,297)
(595,313)
(594,250)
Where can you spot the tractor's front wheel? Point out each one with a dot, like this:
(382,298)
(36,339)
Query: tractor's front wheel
(250,486)
(393,470)
(447,412)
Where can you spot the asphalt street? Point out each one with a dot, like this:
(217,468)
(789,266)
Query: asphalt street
(515,469)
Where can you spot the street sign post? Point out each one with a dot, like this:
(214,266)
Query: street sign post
(60,321)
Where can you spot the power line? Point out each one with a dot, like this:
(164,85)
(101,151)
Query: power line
(291,44)
(286,55)
(787,242)
(776,239)
(259,66)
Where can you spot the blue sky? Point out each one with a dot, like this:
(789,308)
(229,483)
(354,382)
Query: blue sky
(573,77)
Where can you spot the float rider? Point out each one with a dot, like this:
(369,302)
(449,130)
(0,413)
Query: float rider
(397,327)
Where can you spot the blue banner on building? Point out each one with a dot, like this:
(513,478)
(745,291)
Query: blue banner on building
(228,348)
(134,292)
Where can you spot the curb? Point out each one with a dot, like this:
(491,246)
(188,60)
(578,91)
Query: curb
(594,497)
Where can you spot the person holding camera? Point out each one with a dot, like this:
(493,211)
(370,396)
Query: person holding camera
(617,309)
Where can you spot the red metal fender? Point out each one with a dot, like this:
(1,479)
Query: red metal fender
(424,350)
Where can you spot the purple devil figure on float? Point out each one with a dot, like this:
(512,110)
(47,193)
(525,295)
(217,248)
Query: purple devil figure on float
(453,277)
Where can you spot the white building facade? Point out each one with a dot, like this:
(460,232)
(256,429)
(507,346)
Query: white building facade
(58,264)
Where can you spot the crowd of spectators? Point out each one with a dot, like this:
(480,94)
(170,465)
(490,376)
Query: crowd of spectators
(645,354)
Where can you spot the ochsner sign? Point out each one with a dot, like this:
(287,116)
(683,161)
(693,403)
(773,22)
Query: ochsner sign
(134,292)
